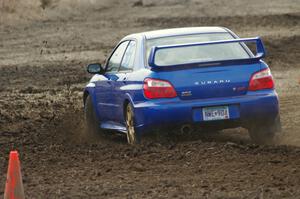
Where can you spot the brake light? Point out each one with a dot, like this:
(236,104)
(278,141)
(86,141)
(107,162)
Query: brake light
(156,88)
(261,80)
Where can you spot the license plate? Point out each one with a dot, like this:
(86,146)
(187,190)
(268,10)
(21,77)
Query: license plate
(215,113)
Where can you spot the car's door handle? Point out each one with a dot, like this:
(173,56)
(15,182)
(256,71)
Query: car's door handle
(124,80)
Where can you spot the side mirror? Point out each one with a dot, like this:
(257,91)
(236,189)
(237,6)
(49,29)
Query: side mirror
(95,69)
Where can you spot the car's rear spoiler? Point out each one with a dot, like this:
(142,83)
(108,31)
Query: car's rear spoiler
(260,52)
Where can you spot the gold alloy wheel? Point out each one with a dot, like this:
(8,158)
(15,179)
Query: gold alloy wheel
(131,135)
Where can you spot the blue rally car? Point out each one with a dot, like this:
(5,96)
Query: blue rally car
(184,77)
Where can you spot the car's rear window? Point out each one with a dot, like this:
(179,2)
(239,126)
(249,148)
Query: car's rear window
(192,54)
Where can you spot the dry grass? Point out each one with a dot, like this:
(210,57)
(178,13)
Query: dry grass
(45,3)
(8,6)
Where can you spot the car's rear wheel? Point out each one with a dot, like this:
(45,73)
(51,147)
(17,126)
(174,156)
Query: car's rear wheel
(132,136)
(269,133)
(92,129)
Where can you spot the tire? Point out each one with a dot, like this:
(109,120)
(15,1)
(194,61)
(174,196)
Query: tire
(92,128)
(133,137)
(270,133)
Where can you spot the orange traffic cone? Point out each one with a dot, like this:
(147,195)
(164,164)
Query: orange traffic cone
(14,184)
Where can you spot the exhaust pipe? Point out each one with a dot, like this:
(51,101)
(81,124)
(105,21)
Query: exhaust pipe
(186,129)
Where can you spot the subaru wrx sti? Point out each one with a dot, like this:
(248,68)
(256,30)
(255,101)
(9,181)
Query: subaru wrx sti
(186,77)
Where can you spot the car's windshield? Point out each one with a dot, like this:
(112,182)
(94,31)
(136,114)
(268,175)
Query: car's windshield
(174,56)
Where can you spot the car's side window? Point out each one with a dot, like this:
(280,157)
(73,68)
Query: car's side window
(116,58)
(128,59)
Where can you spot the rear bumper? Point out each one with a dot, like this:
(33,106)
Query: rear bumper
(253,107)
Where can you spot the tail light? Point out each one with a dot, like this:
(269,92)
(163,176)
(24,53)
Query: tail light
(156,88)
(261,80)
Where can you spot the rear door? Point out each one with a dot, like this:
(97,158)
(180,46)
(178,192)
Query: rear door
(126,67)
(104,92)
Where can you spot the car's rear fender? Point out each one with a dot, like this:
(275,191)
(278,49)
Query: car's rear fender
(127,100)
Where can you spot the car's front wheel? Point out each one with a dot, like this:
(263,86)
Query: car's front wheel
(132,136)
(268,133)
(92,129)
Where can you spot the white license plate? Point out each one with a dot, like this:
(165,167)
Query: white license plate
(215,113)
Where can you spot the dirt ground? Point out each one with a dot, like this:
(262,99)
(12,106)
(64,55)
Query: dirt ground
(44,47)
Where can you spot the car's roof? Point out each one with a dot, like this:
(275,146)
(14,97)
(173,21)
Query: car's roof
(178,31)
